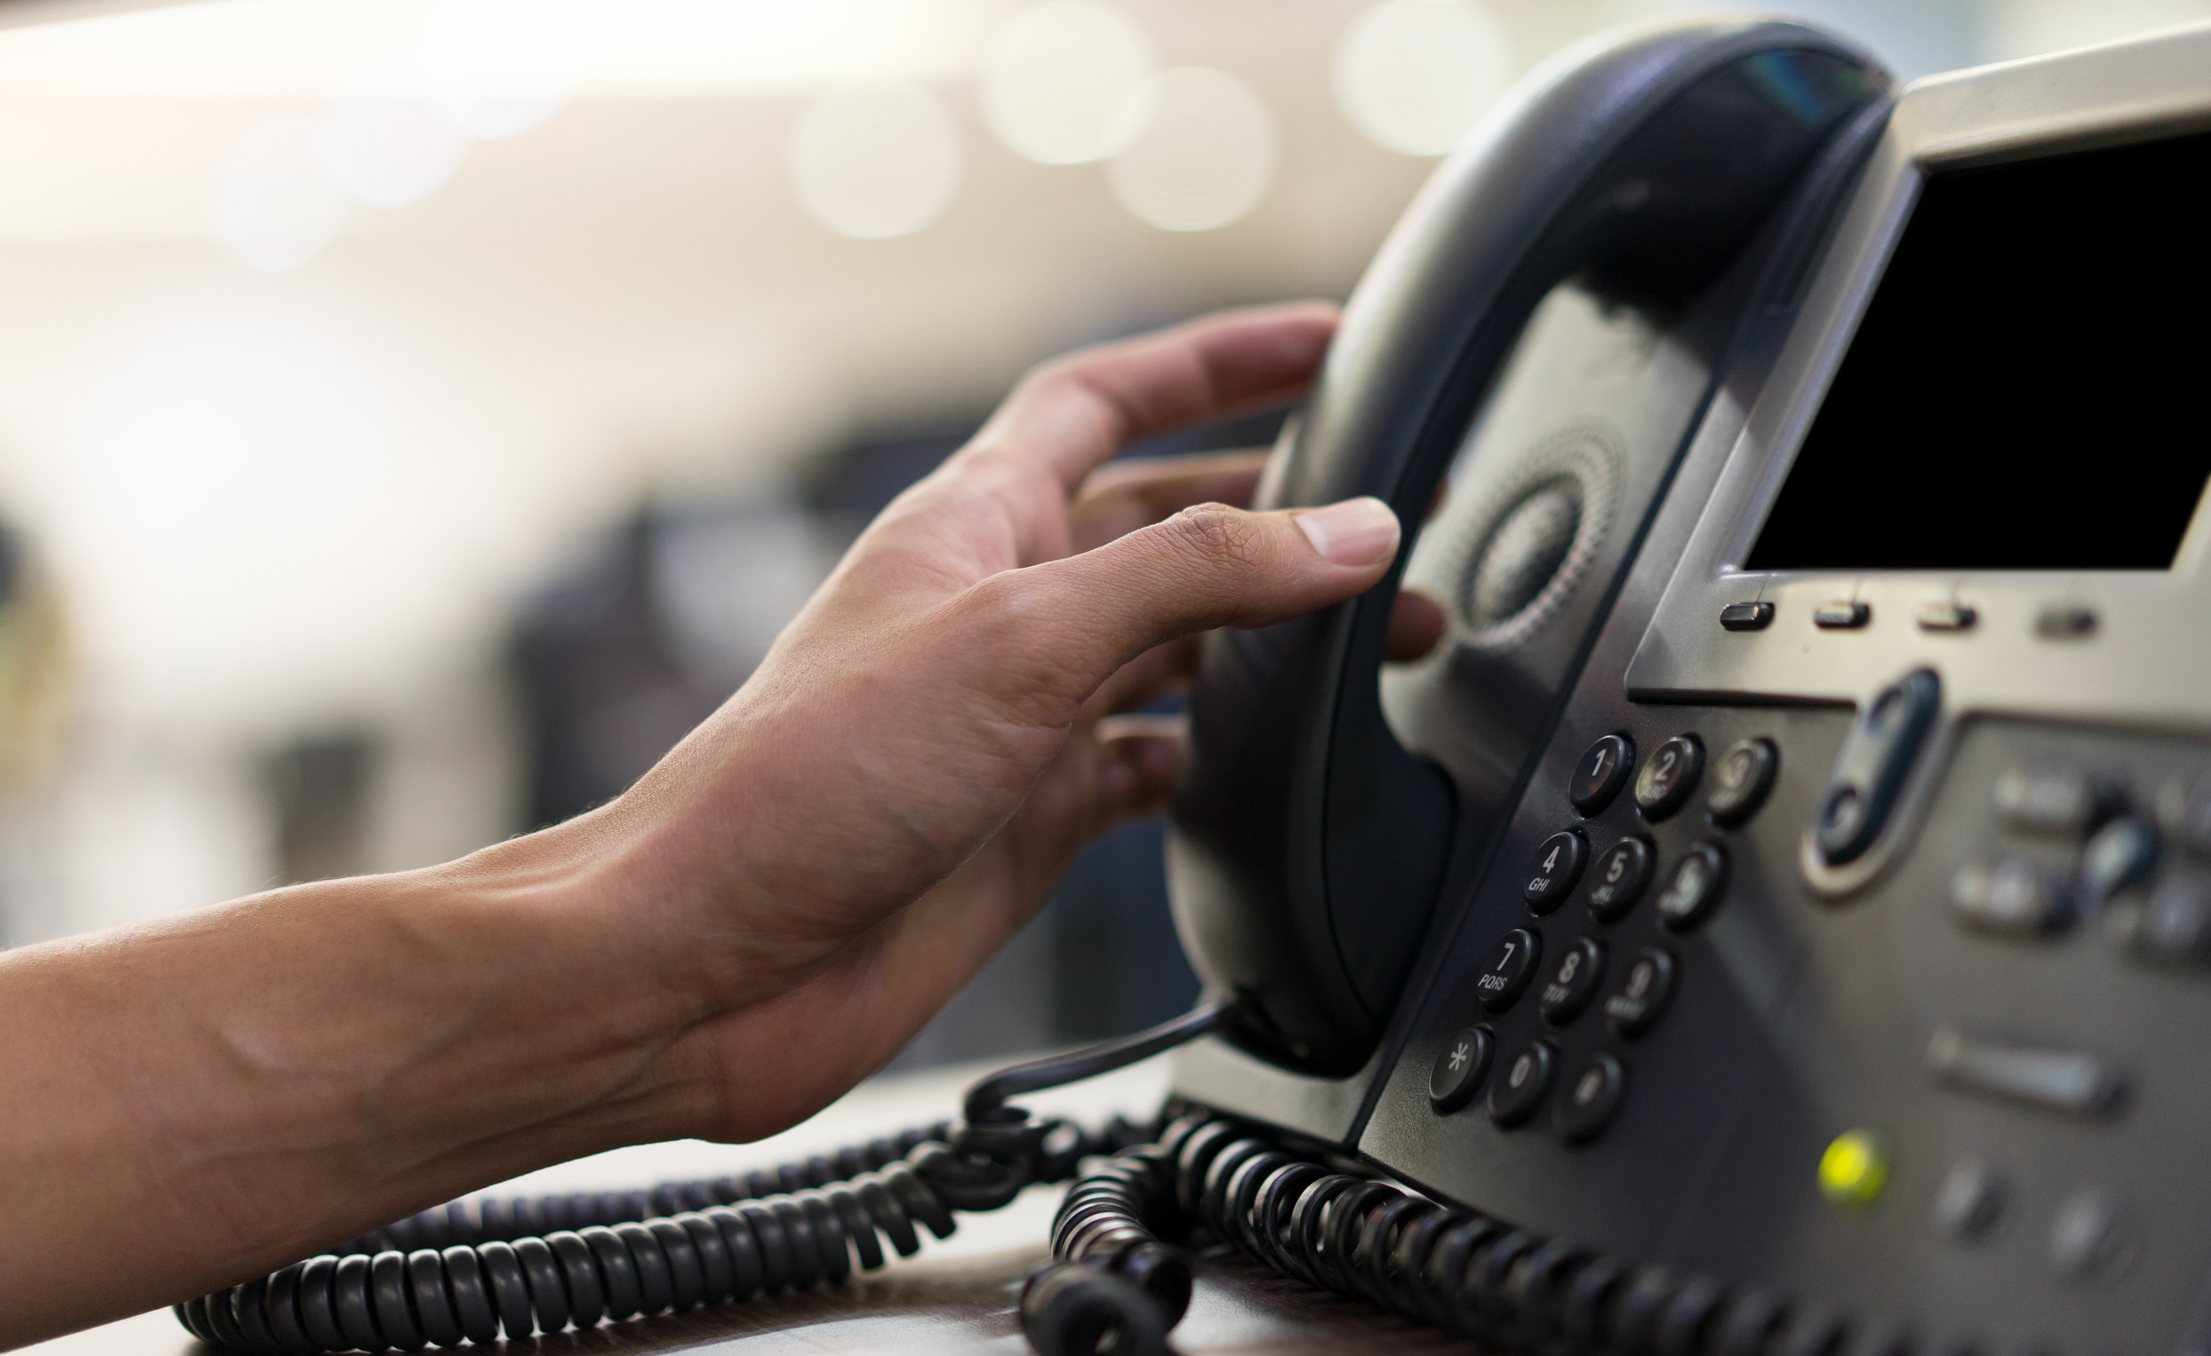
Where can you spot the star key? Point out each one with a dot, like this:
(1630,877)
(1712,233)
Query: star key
(1459,1069)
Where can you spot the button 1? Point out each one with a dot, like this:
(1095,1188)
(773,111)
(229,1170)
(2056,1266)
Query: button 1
(1843,615)
(1459,1069)
(1693,891)
(1946,616)
(1637,1004)
(1573,983)
(2175,928)
(1667,779)
(1870,770)
(1970,1200)
(1510,966)
(2015,898)
(1592,1096)
(1620,877)
(2055,799)
(2056,1080)
(1600,774)
(1740,780)
(1522,1085)
(2123,853)
(2086,1240)
(1747,616)
(1557,865)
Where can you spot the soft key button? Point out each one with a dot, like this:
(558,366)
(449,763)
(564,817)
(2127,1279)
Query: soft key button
(1871,768)
(2014,897)
(1843,615)
(2058,1080)
(2057,799)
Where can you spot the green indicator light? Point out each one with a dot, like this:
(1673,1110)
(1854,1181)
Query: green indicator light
(1854,1168)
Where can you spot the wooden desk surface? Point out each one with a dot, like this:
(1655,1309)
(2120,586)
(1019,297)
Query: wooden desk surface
(956,1296)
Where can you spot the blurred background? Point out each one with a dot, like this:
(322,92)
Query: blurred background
(416,414)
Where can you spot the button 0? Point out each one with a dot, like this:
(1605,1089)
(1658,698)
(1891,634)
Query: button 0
(1522,1085)
(1511,965)
(1693,891)
(1747,616)
(1573,983)
(1667,779)
(1637,1004)
(1551,875)
(1459,1069)
(1741,780)
(1592,1096)
(1621,874)
(1600,774)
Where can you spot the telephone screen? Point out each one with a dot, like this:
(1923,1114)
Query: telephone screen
(2026,390)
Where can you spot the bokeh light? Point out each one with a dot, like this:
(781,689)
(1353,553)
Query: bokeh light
(1066,82)
(384,140)
(268,207)
(504,67)
(1205,157)
(1412,75)
(874,160)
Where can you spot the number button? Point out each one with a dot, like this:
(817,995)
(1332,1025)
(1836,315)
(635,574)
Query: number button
(1600,774)
(1667,779)
(1557,865)
(1520,1088)
(1693,890)
(1636,1005)
(1591,1098)
(1574,983)
(1459,1068)
(1741,779)
(1620,877)
(1510,966)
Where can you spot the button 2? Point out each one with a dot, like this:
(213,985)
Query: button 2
(1510,966)
(1522,1085)
(1740,781)
(1557,865)
(1573,983)
(1668,778)
(1636,1005)
(1459,1069)
(1693,891)
(1621,875)
(1600,774)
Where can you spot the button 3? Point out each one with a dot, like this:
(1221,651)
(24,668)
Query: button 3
(1740,781)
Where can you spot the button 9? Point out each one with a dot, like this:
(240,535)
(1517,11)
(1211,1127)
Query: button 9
(1636,1005)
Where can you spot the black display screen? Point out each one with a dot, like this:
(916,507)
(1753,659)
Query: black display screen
(2029,388)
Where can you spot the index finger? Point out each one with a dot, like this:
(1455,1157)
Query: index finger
(1074,412)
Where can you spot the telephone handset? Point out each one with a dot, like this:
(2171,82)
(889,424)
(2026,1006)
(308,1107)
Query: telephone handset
(1777,920)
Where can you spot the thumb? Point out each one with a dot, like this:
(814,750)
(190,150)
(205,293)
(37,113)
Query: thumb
(1211,565)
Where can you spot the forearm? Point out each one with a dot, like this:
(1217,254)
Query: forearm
(192,1102)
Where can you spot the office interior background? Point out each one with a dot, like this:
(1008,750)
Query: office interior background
(416,414)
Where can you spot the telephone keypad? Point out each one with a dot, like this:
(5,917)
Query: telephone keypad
(1555,869)
(1573,983)
(1600,774)
(1621,874)
(1460,1068)
(1694,888)
(1509,969)
(1592,1096)
(1741,779)
(1666,781)
(1522,1084)
(1637,1004)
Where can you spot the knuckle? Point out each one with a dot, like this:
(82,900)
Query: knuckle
(1218,534)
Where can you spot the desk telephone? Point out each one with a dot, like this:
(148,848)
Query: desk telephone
(1778,920)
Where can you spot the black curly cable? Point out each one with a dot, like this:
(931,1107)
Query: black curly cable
(1117,1283)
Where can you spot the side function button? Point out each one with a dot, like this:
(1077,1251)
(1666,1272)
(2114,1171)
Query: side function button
(1870,770)
(1459,1069)
(1573,983)
(2059,800)
(1592,1096)
(1747,616)
(2195,817)
(1693,890)
(1522,1085)
(1946,616)
(1970,1200)
(1667,779)
(1619,879)
(1637,1004)
(1557,865)
(2057,1080)
(1600,774)
(2065,621)
(1741,780)
(1842,615)
(2122,854)
(2175,923)
(2087,1239)
(2014,898)
(1511,965)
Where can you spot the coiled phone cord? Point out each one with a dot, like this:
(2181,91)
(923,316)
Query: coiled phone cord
(477,1270)
(1435,1264)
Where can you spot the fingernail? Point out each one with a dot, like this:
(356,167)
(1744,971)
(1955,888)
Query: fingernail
(1355,532)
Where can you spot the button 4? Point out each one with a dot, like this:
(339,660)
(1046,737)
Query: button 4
(1557,865)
